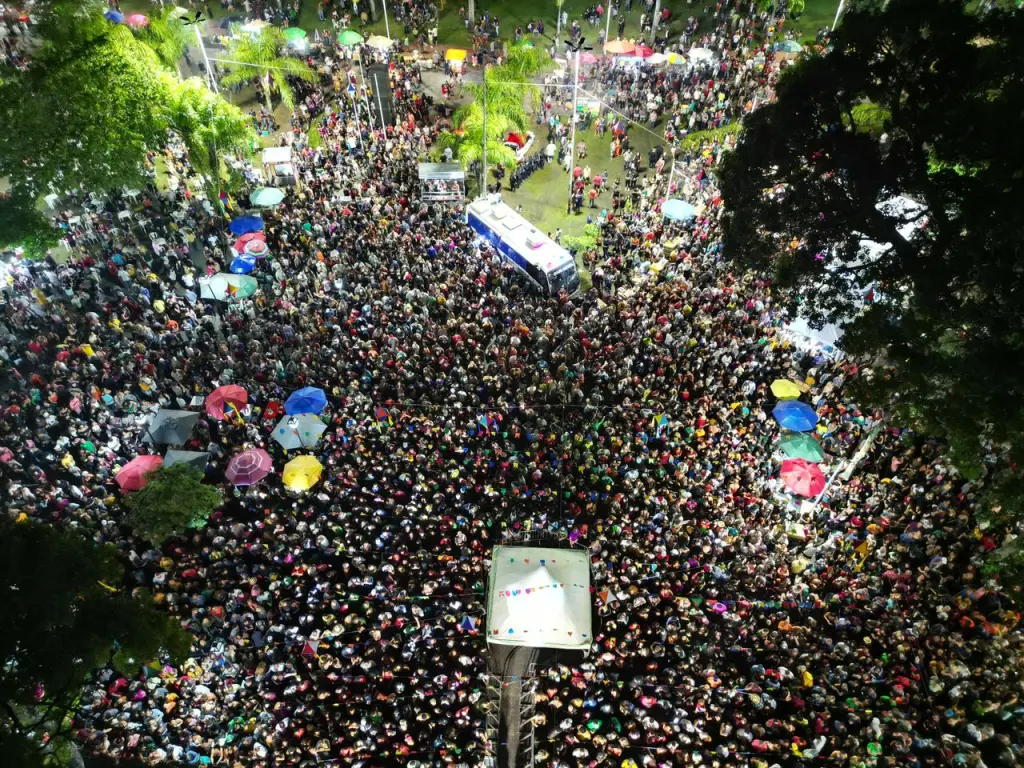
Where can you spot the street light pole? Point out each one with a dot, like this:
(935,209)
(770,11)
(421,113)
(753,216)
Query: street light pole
(483,159)
(608,23)
(572,121)
(211,81)
(387,27)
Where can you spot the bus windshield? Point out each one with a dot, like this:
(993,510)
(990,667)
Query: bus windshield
(566,279)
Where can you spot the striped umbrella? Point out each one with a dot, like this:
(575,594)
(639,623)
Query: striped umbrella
(257,248)
(241,242)
(249,467)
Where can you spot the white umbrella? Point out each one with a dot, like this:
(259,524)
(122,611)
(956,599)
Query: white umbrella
(379,41)
(225,286)
(657,58)
(701,54)
(301,431)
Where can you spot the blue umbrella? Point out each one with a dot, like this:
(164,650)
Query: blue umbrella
(305,400)
(795,416)
(678,210)
(243,264)
(243,225)
(115,16)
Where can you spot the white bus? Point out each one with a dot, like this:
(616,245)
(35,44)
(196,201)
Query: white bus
(548,265)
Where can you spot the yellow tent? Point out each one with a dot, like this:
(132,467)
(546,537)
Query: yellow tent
(302,472)
(785,390)
(455,54)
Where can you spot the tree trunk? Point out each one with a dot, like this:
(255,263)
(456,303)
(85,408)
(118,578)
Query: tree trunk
(472,12)
(655,20)
(373,11)
(558,25)
(266,88)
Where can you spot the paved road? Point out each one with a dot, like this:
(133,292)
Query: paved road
(511,664)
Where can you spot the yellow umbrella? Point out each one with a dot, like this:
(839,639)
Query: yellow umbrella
(301,473)
(676,58)
(785,390)
(378,41)
(455,54)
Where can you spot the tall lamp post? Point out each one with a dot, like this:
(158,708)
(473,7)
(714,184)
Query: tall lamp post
(572,118)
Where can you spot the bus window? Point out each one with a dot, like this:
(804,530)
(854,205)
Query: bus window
(566,279)
(537,274)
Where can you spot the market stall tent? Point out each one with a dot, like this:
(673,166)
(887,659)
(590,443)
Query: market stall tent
(278,166)
(539,597)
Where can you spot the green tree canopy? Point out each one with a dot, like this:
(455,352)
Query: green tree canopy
(62,615)
(919,99)
(207,123)
(83,116)
(23,225)
(261,58)
(174,499)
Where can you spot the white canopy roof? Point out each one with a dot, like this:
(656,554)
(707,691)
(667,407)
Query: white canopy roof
(539,597)
(276,155)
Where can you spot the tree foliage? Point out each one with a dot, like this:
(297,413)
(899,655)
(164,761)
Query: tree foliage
(62,615)
(919,99)
(23,225)
(261,57)
(174,499)
(167,35)
(84,116)
(207,123)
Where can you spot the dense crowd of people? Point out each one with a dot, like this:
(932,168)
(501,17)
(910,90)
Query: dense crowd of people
(735,625)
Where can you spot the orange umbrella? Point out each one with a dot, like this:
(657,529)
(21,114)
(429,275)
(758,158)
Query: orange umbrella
(619,46)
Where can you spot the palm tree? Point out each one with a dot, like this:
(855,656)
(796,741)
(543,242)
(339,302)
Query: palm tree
(167,35)
(261,57)
(207,124)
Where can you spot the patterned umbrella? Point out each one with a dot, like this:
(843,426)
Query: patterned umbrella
(302,473)
(225,400)
(244,264)
(227,287)
(306,400)
(802,477)
(249,467)
(302,431)
(132,476)
(244,240)
(257,248)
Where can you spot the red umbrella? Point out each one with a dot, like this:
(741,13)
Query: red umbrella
(240,243)
(643,51)
(137,20)
(226,398)
(802,477)
(132,476)
(273,410)
(249,467)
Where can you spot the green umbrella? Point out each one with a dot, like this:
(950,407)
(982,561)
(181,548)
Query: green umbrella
(350,37)
(294,33)
(800,446)
(267,196)
(88,446)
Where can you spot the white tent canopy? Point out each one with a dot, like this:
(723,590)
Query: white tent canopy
(539,597)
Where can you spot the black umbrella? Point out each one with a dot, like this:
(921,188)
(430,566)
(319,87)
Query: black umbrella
(170,427)
(197,459)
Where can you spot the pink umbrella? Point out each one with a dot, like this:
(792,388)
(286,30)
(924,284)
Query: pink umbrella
(249,467)
(588,58)
(132,476)
(643,51)
(241,242)
(227,398)
(802,477)
(137,20)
